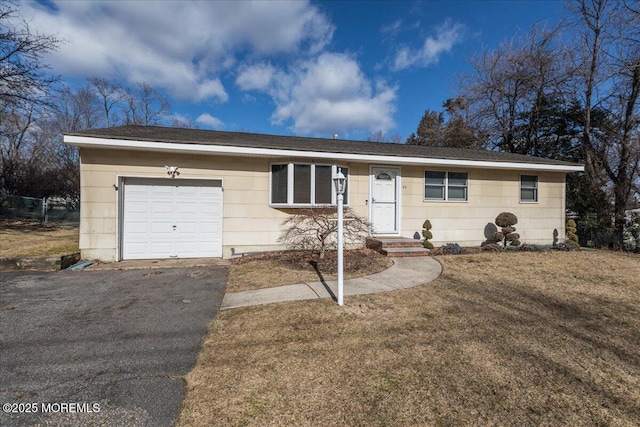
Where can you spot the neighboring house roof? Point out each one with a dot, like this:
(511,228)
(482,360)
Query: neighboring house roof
(237,143)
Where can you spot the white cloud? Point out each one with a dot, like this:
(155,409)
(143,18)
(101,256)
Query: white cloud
(393,28)
(447,35)
(179,46)
(331,94)
(255,77)
(210,121)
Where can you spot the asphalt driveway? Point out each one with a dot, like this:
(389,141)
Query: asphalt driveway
(102,347)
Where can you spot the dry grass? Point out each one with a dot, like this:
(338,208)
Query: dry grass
(277,269)
(22,239)
(499,339)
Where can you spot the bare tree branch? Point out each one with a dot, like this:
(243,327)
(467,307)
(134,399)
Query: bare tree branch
(316,229)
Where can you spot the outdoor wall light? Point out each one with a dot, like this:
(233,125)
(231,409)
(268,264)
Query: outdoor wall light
(172,171)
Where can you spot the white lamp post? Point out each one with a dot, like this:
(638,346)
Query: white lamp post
(340,182)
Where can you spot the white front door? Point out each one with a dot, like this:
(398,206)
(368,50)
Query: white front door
(384,200)
(171,218)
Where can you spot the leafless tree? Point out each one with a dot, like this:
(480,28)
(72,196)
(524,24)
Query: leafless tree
(29,155)
(177,121)
(146,105)
(509,87)
(25,80)
(315,229)
(381,136)
(111,97)
(26,86)
(607,74)
(35,112)
(573,101)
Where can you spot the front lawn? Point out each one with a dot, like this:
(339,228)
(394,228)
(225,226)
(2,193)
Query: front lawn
(534,339)
(286,268)
(30,239)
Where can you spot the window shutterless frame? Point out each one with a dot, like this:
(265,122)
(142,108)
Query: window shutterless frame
(299,184)
(528,189)
(446,186)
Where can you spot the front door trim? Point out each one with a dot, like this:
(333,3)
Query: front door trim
(373,171)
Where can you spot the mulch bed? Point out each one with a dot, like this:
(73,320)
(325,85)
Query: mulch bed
(354,260)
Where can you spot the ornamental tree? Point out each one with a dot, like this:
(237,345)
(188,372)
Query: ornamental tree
(426,226)
(315,229)
(508,236)
(572,237)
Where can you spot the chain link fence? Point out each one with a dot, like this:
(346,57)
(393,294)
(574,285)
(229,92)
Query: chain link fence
(41,210)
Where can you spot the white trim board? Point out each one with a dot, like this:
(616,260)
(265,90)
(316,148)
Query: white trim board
(84,141)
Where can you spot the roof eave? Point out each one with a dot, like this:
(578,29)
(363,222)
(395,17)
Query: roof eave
(86,141)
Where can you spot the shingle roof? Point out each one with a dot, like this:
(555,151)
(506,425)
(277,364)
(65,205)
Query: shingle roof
(253,140)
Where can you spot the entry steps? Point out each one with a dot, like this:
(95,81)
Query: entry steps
(397,246)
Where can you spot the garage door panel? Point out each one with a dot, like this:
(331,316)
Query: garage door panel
(137,248)
(163,247)
(210,228)
(162,208)
(156,190)
(137,208)
(211,209)
(188,208)
(152,207)
(190,190)
(187,250)
(162,228)
(138,229)
(186,229)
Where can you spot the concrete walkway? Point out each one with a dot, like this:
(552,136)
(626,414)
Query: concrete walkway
(404,273)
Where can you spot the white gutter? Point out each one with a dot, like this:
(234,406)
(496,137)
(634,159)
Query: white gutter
(84,141)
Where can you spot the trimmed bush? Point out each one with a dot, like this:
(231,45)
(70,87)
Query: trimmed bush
(491,247)
(572,237)
(426,233)
(508,236)
(566,247)
(506,219)
(453,249)
(526,247)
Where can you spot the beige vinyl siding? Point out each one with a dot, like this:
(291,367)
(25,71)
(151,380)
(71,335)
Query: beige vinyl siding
(489,193)
(250,224)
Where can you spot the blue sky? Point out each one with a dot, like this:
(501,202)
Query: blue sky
(291,68)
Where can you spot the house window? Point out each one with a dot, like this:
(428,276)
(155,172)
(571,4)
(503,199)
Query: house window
(301,184)
(528,188)
(324,192)
(445,185)
(279,183)
(304,184)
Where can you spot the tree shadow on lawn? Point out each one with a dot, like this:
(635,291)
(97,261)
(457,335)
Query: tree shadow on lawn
(566,341)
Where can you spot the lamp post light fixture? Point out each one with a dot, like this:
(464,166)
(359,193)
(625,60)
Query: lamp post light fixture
(340,182)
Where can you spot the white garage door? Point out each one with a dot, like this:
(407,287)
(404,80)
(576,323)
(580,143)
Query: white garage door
(170,218)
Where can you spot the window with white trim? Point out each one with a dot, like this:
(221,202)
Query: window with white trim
(451,186)
(528,188)
(305,184)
